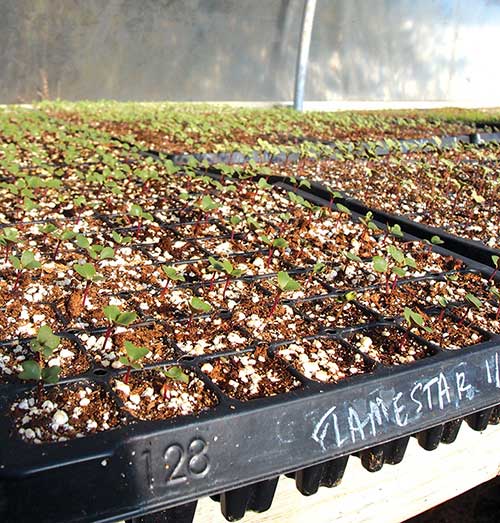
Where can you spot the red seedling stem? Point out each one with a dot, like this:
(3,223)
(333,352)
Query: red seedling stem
(493,274)
(212,280)
(275,304)
(107,335)
(462,319)
(226,285)
(269,256)
(164,291)
(86,293)
(127,375)
(56,250)
(16,283)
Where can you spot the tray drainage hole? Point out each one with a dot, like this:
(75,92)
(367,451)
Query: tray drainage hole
(100,372)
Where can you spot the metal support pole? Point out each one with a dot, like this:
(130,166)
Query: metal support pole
(303,55)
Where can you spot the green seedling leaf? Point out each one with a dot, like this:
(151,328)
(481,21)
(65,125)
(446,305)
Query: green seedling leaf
(199,305)
(135,211)
(172,274)
(111,312)
(443,302)
(134,353)
(280,243)
(473,300)
(207,204)
(396,254)
(399,271)
(15,261)
(126,318)
(286,283)
(395,230)
(349,296)
(436,240)
(31,371)
(51,374)
(82,242)
(495,259)
(343,208)
(176,374)
(86,271)
(379,264)
(351,256)
(107,253)
(318,267)
(262,184)
(28,260)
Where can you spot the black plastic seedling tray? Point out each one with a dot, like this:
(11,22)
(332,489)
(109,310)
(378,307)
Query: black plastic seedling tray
(237,450)
(473,249)
(378,148)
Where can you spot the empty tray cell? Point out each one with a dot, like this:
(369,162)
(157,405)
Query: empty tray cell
(334,312)
(390,345)
(163,393)
(206,335)
(252,375)
(63,413)
(324,359)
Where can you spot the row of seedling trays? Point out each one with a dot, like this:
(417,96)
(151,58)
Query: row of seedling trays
(219,384)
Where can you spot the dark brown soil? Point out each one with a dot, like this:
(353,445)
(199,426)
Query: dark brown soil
(250,376)
(87,410)
(390,346)
(152,396)
(324,360)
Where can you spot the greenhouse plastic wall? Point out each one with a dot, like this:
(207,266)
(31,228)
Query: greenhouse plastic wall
(431,50)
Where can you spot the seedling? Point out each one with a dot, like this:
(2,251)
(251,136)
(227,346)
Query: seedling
(496,265)
(334,195)
(471,301)
(401,261)
(284,283)
(133,357)
(198,306)
(226,267)
(119,239)
(137,212)
(171,275)
(234,221)
(413,319)
(27,261)
(45,343)
(88,272)
(496,295)
(8,237)
(343,300)
(173,374)
(318,268)
(443,303)
(277,243)
(60,235)
(95,251)
(368,223)
(116,318)
(394,230)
